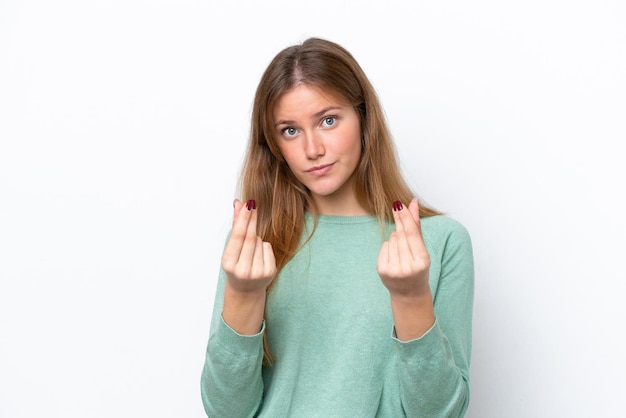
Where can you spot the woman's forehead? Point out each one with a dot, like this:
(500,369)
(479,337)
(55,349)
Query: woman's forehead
(303,98)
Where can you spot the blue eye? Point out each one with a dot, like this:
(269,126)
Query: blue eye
(329,121)
(289,132)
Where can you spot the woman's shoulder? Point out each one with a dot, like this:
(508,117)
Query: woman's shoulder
(443,230)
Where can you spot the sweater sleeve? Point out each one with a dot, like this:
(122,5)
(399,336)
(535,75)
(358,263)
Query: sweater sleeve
(231,382)
(434,369)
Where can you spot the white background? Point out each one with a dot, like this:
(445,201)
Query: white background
(122,128)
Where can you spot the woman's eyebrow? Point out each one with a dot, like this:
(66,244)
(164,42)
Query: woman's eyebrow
(326,109)
(314,116)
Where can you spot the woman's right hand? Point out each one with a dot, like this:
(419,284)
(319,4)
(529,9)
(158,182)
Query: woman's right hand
(247,260)
(250,267)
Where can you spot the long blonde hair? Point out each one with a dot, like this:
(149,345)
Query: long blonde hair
(281,198)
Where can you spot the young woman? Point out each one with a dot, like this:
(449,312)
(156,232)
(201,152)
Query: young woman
(340,295)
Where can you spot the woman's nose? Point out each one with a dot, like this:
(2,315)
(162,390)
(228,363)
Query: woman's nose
(314,146)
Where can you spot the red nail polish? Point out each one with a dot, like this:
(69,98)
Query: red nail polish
(250,204)
(397,206)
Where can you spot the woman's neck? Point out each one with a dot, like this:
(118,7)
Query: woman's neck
(339,206)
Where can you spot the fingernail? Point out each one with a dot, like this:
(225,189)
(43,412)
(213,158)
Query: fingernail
(250,204)
(397,206)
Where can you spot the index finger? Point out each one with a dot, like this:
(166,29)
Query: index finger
(408,223)
(241,223)
(237,205)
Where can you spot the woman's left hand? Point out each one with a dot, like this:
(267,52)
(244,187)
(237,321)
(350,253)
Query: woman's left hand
(403,261)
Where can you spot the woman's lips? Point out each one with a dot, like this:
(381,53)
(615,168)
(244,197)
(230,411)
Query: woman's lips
(320,170)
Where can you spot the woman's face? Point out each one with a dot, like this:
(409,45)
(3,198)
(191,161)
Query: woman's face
(319,136)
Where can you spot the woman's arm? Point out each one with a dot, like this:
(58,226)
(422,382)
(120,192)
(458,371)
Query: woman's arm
(433,339)
(231,382)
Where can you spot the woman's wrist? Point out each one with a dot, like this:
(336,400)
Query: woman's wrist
(243,311)
(413,315)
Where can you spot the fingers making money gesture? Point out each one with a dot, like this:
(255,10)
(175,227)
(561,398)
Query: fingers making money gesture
(403,266)
(247,261)
(403,261)
(250,266)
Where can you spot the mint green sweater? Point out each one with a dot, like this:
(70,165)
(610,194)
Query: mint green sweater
(330,327)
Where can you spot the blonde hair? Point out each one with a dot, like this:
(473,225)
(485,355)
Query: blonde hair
(281,198)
